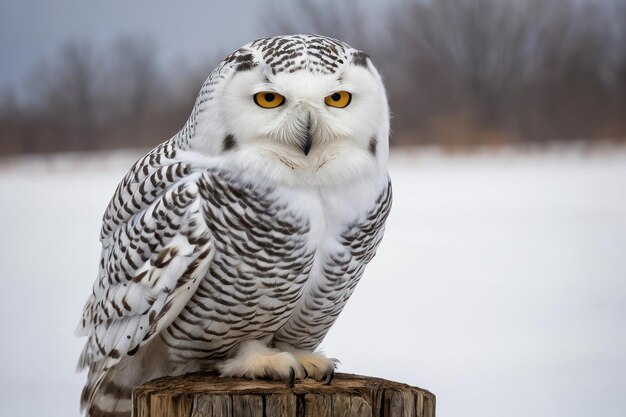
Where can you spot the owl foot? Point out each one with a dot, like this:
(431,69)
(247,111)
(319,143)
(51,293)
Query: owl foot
(316,365)
(254,360)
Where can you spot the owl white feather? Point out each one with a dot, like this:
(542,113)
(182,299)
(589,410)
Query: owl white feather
(234,246)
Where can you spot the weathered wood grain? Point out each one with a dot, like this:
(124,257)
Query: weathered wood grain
(207,395)
(212,405)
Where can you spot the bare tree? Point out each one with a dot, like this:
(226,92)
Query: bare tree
(66,93)
(133,77)
(457,71)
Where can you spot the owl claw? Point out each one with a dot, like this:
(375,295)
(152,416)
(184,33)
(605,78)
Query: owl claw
(292,377)
(329,377)
(317,366)
(255,360)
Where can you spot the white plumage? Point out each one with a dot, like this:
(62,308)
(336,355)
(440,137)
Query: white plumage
(234,245)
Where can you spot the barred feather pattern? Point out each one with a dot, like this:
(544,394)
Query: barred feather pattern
(341,272)
(262,261)
(256,286)
(198,257)
(210,263)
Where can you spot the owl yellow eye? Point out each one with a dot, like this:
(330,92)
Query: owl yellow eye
(268,99)
(339,99)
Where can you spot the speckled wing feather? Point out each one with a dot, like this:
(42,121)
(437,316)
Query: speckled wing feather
(143,184)
(262,261)
(212,244)
(341,272)
(156,250)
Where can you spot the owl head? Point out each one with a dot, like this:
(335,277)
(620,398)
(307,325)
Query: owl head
(298,109)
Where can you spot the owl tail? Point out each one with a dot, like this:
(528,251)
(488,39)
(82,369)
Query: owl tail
(109,386)
(106,394)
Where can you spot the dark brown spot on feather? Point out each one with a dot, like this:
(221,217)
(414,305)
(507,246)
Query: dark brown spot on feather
(245,66)
(165,256)
(245,62)
(360,59)
(229,143)
(244,58)
(373,145)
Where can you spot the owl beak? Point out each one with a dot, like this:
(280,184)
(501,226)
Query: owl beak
(306,146)
(306,140)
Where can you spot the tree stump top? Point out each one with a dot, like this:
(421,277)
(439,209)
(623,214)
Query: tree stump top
(208,395)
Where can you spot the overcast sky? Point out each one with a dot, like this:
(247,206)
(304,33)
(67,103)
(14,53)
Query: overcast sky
(32,30)
(194,30)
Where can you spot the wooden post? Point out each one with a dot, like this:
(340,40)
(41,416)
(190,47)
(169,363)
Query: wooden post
(206,395)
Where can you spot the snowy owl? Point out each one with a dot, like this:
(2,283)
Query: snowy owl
(233,246)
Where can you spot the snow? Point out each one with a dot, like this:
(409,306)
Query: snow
(500,285)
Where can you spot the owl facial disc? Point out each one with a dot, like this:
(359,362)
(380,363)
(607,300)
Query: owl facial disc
(296,109)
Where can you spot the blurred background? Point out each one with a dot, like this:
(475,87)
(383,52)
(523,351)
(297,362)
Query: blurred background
(501,282)
(459,73)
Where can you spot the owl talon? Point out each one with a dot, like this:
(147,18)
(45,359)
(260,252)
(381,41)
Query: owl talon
(226,231)
(314,364)
(292,377)
(329,377)
(255,360)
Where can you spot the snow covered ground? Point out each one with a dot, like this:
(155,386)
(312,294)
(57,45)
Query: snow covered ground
(500,284)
